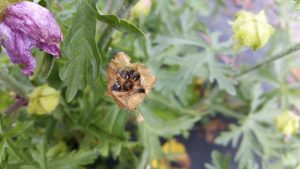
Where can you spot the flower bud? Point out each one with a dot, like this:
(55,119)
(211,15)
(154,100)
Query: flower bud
(251,30)
(141,8)
(43,100)
(287,122)
(26,25)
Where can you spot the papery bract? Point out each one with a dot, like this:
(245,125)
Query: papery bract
(26,25)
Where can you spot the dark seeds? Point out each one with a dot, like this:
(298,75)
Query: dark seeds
(130,73)
(123,74)
(116,87)
(128,85)
(126,80)
(135,76)
(141,90)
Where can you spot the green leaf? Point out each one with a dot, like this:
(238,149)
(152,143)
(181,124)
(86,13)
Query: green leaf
(219,73)
(151,142)
(3,150)
(109,129)
(253,136)
(120,25)
(81,50)
(219,161)
(179,40)
(18,129)
(48,63)
(39,155)
(73,160)
(19,153)
(166,128)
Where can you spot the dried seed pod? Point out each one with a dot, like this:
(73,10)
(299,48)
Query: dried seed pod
(135,81)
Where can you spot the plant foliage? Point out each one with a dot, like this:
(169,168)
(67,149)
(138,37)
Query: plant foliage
(196,70)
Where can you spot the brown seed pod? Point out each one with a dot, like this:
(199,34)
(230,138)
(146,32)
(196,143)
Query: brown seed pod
(128,83)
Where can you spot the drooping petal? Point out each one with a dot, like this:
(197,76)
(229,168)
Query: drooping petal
(53,49)
(18,48)
(26,25)
(35,22)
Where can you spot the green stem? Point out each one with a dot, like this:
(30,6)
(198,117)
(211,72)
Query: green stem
(16,106)
(13,83)
(144,160)
(280,55)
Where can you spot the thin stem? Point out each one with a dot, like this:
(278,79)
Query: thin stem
(16,106)
(280,55)
(13,83)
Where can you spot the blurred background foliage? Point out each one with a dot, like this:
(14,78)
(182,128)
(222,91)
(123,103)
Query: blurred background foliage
(187,44)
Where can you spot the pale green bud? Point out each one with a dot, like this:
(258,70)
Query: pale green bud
(251,30)
(287,122)
(141,8)
(43,100)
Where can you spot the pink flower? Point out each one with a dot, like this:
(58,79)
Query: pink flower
(27,25)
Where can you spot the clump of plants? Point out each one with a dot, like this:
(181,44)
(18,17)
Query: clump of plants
(111,84)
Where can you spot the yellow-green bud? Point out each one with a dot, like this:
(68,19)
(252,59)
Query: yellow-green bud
(43,100)
(287,122)
(251,30)
(141,8)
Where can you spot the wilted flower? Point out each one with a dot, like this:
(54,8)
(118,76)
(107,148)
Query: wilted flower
(43,100)
(141,8)
(287,122)
(251,30)
(128,83)
(26,25)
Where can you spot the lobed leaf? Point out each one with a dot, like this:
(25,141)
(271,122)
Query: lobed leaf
(120,25)
(81,50)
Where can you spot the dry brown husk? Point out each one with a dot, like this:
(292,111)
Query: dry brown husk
(130,99)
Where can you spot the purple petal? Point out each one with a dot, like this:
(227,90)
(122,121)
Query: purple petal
(37,23)
(52,49)
(18,48)
(27,25)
